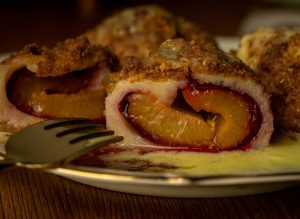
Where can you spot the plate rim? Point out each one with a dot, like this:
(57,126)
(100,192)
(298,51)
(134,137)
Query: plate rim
(170,179)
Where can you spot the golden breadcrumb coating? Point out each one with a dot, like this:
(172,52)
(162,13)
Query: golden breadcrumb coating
(68,56)
(274,55)
(177,59)
(137,31)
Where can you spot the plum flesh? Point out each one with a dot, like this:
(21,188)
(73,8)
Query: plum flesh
(217,118)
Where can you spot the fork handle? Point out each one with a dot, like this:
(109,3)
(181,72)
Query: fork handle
(6,163)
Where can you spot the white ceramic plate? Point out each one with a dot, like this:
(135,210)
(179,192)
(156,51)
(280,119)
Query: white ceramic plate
(193,175)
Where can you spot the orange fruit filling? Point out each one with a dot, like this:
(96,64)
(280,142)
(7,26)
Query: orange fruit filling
(232,114)
(167,125)
(66,96)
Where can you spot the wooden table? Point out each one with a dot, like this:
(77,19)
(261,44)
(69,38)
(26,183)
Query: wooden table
(36,194)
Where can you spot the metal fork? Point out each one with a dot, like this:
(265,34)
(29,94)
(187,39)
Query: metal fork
(55,142)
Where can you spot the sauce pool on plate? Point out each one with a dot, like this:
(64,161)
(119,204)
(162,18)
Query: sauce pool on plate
(282,155)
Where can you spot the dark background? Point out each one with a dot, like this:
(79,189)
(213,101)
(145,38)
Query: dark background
(48,21)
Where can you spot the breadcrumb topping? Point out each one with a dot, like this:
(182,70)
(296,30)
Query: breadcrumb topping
(68,56)
(177,59)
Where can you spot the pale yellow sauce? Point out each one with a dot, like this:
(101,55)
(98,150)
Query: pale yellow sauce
(3,138)
(281,155)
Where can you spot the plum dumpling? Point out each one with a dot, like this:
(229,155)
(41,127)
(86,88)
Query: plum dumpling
(188,96)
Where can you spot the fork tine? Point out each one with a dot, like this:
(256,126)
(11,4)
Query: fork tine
(104,140)
(93,143)
(94,134)
(75,137)
(64,122)
(80,128)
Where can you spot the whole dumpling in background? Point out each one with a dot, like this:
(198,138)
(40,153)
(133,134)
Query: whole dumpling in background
(139,30)
(274,55)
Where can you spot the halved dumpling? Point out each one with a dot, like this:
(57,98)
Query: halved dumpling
(191,97)
(64,82)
